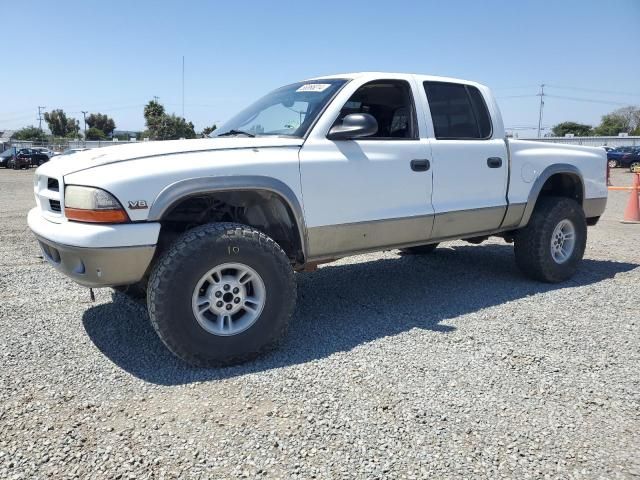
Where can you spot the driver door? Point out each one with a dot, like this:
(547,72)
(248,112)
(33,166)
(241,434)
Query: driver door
(374,192)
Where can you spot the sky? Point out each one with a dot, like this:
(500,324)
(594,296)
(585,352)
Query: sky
(114,57)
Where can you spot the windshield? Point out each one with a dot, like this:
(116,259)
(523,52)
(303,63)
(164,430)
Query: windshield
(289,110)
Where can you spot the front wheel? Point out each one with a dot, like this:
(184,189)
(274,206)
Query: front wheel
(551,246)
(634,167)
(612,163)
(222,294)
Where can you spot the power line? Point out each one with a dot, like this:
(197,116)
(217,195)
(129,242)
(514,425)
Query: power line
(514,88)
(11,119)
(590,100)
(518,96)
(593,90)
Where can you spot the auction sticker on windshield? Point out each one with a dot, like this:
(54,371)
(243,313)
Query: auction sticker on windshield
(314,87)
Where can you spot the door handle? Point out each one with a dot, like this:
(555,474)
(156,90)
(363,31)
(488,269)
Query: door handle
(494,162)
(420,165)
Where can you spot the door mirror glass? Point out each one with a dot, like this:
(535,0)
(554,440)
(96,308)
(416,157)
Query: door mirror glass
(354,125)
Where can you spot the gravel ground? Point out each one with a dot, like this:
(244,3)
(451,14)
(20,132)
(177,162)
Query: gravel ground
(451,365)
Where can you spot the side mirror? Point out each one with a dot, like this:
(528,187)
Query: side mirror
(354,125)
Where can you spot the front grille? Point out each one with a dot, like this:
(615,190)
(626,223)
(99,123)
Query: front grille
(49,196)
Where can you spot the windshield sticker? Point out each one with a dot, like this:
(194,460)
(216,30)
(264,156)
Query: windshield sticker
(314,87)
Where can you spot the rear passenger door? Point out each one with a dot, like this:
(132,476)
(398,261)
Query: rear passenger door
(470,166)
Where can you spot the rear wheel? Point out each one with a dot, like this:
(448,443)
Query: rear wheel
(222,294)
(420,249)
(612,163)
(635,167)
(551,246)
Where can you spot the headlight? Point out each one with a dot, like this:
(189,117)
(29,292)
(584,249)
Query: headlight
(89,204)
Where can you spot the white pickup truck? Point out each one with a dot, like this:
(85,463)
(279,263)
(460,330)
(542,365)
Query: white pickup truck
(213,229)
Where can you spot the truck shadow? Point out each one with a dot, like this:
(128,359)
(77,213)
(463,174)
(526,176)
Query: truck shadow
(343,306)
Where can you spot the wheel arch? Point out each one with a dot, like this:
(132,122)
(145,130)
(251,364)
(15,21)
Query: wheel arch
(283,205)
(562,180)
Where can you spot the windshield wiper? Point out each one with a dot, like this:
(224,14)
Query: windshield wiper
(236,132)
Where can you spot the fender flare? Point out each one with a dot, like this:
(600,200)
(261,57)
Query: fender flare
(190,187)
(547,173)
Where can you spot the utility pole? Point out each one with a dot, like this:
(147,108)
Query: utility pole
(156,98)
(541,95)
(183,86)
(40,117)
(84,115)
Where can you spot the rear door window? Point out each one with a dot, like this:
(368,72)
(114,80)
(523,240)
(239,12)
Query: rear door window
(458,111)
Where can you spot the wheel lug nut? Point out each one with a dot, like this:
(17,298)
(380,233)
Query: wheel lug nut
(236,300)
(226,287)
(229,306)
(219,304)
(236,290)
(218,294)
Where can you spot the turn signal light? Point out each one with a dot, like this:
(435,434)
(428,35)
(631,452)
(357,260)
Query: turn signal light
(96,216)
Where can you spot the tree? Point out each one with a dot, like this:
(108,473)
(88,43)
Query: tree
(161,126)
(95,134)
(611,125)
(60,125)
(73,128)
(578,129)
(631,116)
(208,130)
(30,133)
(625,119)
(101,122)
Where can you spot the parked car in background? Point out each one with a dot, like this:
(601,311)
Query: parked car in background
(6,157)
(19,162)
(615,156)
(631,159)
(30,157)
(46,151)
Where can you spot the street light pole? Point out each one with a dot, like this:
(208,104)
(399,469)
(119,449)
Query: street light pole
(183,86)
(84,115)
(40,117)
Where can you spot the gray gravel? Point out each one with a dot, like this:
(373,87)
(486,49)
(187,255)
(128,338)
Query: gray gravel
(452,365)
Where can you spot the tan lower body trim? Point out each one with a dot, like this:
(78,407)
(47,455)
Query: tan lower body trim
(349,238)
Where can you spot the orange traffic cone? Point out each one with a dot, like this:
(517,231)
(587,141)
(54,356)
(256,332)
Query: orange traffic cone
(632,212)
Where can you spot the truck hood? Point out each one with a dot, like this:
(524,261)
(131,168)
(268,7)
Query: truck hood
(66,164)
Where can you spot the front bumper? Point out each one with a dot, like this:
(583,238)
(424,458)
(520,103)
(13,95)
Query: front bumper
(98,267)
(103,264)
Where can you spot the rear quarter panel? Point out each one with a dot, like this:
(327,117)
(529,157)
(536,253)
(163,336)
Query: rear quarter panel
(529,159)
